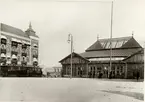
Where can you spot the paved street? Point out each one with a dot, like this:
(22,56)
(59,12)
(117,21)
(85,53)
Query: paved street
(69,90)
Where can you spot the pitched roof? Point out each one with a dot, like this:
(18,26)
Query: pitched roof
(131,43)
(13,30)
(106,53)
(141,51)
(74,54)
(30,31)
(116,43)
(96,46)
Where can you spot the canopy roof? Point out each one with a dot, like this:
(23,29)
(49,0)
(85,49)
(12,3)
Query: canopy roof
(106,53)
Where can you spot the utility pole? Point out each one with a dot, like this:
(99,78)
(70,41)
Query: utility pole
(70,40)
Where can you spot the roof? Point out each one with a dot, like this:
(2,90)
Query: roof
(121,42)
(141,51)
(106,53)
(74,54)
(31,32)
(10,29)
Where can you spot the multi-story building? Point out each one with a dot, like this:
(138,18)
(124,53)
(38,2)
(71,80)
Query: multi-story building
(125,54)
(18,48)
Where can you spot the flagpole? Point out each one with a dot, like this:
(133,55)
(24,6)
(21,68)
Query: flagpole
(111,37)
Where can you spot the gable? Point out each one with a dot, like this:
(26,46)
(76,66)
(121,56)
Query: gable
(136,57)
(132,43)
(76,58)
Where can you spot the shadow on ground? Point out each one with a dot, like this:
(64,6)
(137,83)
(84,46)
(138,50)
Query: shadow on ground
(139,96)
(121,80)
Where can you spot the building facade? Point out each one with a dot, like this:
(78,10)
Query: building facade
(18,48)
(127,58)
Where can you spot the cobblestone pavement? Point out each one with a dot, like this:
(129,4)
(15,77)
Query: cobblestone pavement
(69,90)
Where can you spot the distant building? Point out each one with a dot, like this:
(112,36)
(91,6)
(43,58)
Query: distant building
(57,71)
(18,47)
(127,59)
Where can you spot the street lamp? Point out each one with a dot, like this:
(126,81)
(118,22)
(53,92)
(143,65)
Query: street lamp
(70,40)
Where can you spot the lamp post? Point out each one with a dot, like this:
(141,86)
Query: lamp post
(70,40)
(0,49)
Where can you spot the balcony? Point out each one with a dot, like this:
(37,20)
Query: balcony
(3,48)
(14,49)
(35,56)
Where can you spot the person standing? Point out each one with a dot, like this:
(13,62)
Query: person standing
(137,75)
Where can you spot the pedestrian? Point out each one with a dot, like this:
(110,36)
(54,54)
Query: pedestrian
(137,75)
(110,75)
(101,74)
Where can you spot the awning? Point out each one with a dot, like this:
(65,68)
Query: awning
(25,42)
(4,37)
(13,39)
(35,45)
(8,55)
(19,41)
(34,60)
(3,55)
(106,59)
(14,56)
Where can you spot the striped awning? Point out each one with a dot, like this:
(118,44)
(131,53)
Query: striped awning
(35,45)
(3,55)
(4,37)
(14,56)
(35,60)
(14,39)
(25,42)
(19,41)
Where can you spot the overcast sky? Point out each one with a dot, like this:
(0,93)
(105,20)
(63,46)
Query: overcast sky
(53,21)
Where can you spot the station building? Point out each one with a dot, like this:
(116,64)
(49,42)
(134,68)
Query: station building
(18,47)
(127,59)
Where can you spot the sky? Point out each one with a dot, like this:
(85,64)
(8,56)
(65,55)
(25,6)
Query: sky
(85,20)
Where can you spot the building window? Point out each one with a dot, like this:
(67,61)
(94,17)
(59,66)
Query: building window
(3,46)
(94,68)
(3,41)
(24,46)
(121,69)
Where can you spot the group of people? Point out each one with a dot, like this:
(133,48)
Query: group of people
(110,76)
(93,75)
